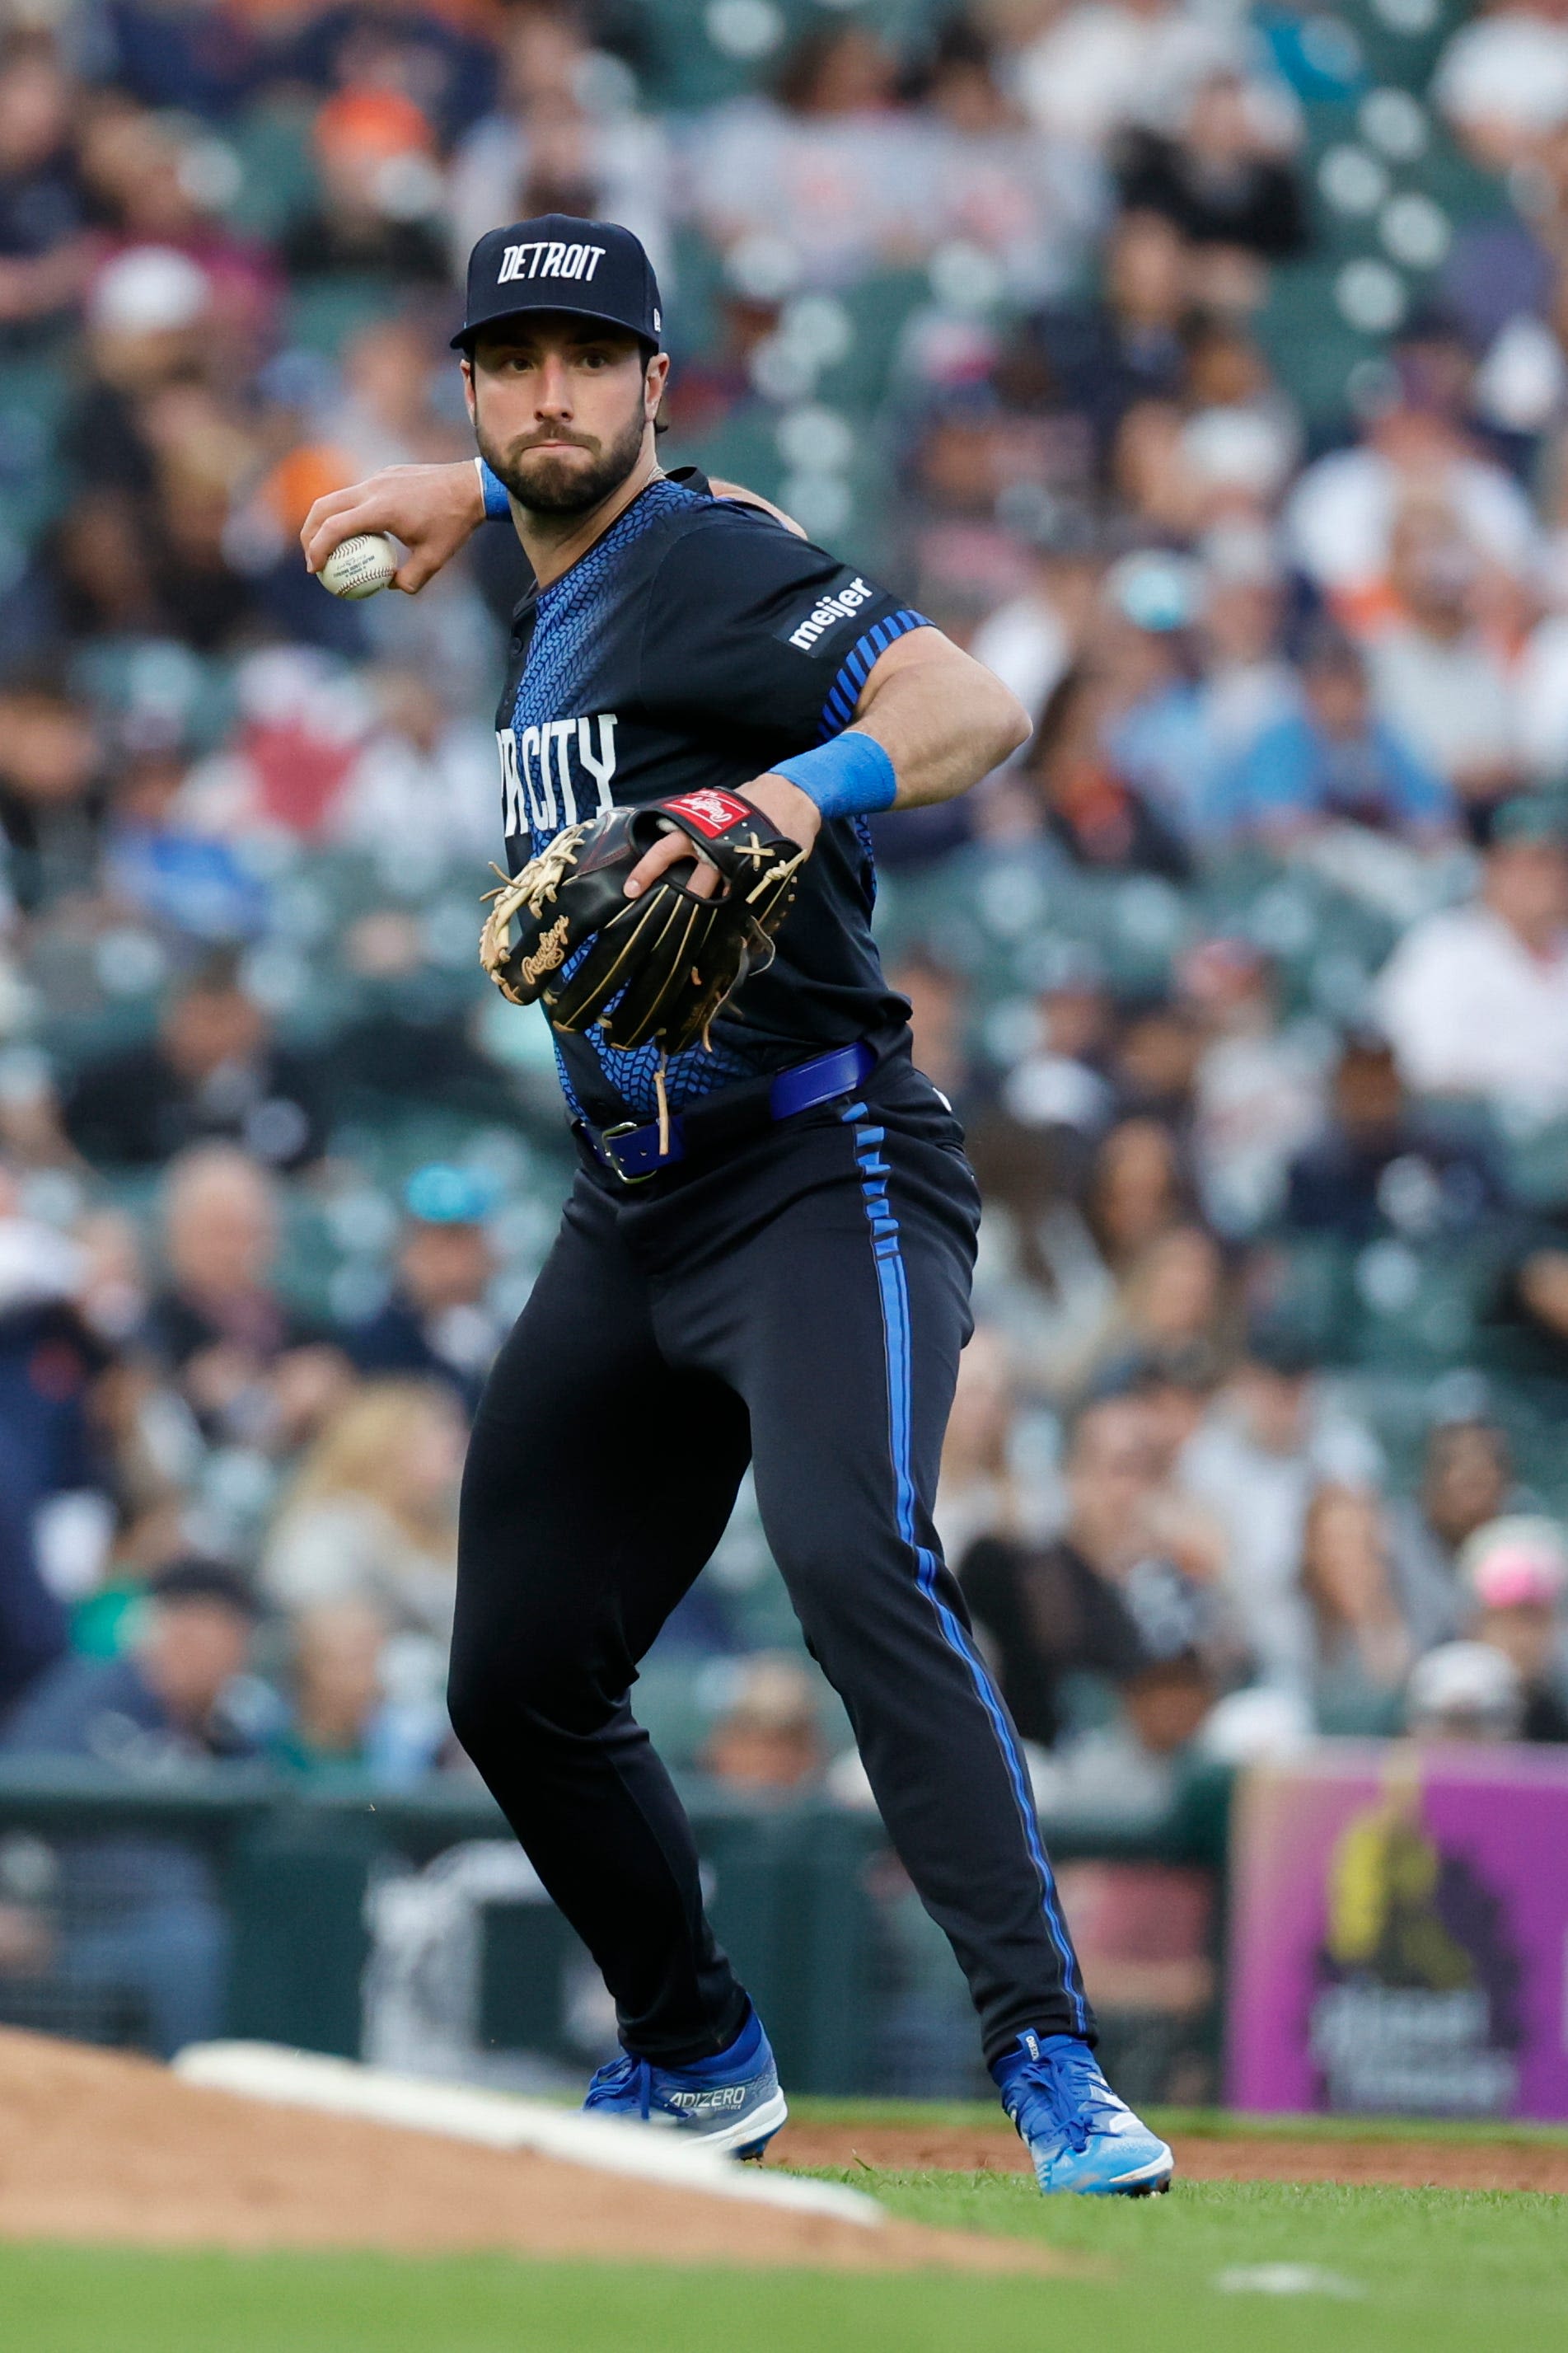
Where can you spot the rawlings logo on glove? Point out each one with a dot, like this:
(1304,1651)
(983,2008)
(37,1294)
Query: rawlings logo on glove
(656,967)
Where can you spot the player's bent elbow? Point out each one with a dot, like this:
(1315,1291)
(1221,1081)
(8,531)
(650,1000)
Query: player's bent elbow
(1014,723)
(1001,721)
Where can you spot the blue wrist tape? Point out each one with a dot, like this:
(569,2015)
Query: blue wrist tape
(498,507)
(851,776)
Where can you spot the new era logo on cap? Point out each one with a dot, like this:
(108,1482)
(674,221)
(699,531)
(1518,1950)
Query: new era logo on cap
(594,268)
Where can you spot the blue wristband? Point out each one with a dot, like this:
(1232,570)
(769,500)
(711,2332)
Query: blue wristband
(851,776)
(497,506)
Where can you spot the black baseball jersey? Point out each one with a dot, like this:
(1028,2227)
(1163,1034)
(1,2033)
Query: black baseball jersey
(696,643)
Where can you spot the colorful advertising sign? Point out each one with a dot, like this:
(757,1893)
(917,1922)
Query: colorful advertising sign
(1399,1932)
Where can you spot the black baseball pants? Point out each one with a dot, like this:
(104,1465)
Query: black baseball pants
(800,1304)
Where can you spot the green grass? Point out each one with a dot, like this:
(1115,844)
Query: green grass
(1207,2123)
(1438,2272)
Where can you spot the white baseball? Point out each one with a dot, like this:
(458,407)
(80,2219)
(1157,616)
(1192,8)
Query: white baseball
(361,566)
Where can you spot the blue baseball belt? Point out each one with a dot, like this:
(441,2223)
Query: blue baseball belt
(635,1154)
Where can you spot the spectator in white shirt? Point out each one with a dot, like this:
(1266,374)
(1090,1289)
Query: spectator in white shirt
(1340,518)
(1502,81)
(1110,63)
(1475,1000)
(1435,677)
(829,164)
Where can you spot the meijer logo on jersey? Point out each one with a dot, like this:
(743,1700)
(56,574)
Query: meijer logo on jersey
(829,609)
(558,774)
(576,261)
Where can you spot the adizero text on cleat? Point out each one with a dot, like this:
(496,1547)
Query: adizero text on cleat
(731,2102)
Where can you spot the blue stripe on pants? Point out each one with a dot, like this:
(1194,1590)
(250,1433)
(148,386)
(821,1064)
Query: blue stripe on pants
(895,1300)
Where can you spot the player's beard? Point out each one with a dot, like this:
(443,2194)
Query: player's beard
(550,484)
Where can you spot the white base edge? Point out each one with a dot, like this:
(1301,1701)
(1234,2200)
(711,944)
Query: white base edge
(343,2087)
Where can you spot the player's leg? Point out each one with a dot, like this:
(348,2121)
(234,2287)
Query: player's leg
(586,1513)
(847,1356)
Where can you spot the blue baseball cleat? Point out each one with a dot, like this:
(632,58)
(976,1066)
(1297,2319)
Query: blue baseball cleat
(732,2103)
(1083,2139)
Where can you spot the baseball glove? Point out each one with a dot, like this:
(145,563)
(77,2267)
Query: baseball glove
(653,968)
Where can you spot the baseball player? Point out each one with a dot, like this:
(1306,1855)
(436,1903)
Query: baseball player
(766,1256)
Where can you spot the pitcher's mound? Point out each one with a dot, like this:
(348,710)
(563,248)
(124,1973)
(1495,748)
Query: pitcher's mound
(95,2145)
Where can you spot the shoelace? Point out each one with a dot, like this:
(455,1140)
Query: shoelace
(619,2075)
(1073,2089)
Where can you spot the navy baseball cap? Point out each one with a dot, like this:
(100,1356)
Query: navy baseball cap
(596,269)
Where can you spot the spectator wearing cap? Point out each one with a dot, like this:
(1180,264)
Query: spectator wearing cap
(1275,1435)
(1148,651)
(213,1074)
(1474,1000)
(1381,1165)
(1464,1691)
(437,1323)
(1514,1572)
(371,1515)
(1334,761)
(163,1698)
(1467,1480)
(140,1916)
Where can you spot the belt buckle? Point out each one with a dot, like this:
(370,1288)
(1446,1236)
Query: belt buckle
(607,1142)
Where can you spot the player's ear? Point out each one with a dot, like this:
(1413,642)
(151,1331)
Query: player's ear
(468,367)
(654,382)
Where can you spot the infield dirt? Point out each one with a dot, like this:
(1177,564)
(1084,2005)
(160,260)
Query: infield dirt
(99,2146)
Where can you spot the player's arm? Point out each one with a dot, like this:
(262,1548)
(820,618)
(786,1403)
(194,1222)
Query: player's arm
(928,724)
(944,719)
(434,510)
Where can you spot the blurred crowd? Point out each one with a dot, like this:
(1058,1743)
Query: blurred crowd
(1249,977)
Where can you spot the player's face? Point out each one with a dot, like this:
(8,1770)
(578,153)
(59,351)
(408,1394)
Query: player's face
(562,408)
